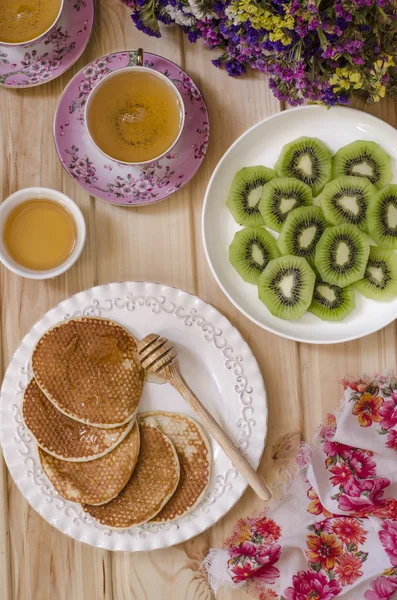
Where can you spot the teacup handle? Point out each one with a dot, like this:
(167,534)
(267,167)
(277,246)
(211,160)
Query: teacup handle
(139,57)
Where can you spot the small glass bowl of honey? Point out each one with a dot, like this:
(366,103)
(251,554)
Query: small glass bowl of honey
(42,233)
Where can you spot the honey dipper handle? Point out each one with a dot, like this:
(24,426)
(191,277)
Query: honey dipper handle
(175,378)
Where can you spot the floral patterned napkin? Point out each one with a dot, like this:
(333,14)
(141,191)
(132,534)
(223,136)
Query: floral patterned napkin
(334,533)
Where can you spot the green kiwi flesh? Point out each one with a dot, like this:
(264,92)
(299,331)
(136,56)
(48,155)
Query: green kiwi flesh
(251,250)
(382,217)
(342,255)
(363,159)
(245,193)
(286,287)
(281,196)
(346,200)
(301,232)
(380,278)
(330,302)
(307,159)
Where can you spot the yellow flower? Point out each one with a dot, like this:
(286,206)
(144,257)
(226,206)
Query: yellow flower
(284,38)
(357,80)
(389,572)
(242,10)
(345,78)
(240,535)
(380,66)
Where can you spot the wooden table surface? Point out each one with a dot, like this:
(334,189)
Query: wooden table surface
(36,561)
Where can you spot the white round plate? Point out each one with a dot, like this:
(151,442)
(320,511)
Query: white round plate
(215,361)
(261,145)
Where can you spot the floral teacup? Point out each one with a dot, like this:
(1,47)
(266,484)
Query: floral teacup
(115,74)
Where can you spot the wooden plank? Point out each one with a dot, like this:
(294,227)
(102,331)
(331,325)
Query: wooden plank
(5,573)
(45,564)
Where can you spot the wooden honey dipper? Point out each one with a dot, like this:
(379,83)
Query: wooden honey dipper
(159,356)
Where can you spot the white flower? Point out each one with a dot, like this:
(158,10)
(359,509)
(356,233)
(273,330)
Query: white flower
(179,17)
(198,11)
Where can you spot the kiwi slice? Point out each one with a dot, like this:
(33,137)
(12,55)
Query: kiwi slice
(286,286)
(380,278)
(307,159)
(251,250)
(342,255)
(382,217)
(279,197)
(245,193)
(330,302)
(363,159)
(302,229)
(346,199)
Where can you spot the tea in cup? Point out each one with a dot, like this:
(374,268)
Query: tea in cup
(134,115)
(26,21)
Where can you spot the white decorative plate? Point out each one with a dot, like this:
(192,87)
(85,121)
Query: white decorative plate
(215,361)
(262,145)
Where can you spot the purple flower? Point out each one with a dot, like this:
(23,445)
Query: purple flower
(352,35)
(193,35)
(142,27)
(234,68)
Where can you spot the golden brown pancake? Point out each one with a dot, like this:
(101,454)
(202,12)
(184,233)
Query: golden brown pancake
(96,481)
(90,370)
(153,482)
(63,437)
(194,453)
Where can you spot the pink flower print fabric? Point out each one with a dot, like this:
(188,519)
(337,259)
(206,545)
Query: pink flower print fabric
(334,534)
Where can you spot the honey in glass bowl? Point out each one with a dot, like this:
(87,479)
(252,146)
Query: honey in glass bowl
(40,234)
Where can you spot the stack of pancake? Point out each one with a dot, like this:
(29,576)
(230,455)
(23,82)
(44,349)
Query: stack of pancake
(81,407)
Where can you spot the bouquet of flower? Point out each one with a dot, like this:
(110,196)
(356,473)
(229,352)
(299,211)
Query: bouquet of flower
(323,51)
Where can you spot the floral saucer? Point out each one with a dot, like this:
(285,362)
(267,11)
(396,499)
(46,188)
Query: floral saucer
(118,183)
(50,57)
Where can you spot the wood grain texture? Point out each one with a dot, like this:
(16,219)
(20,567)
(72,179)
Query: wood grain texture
(160,243)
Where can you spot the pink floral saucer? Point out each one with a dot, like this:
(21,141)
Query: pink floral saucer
(53,55)
(110,180)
